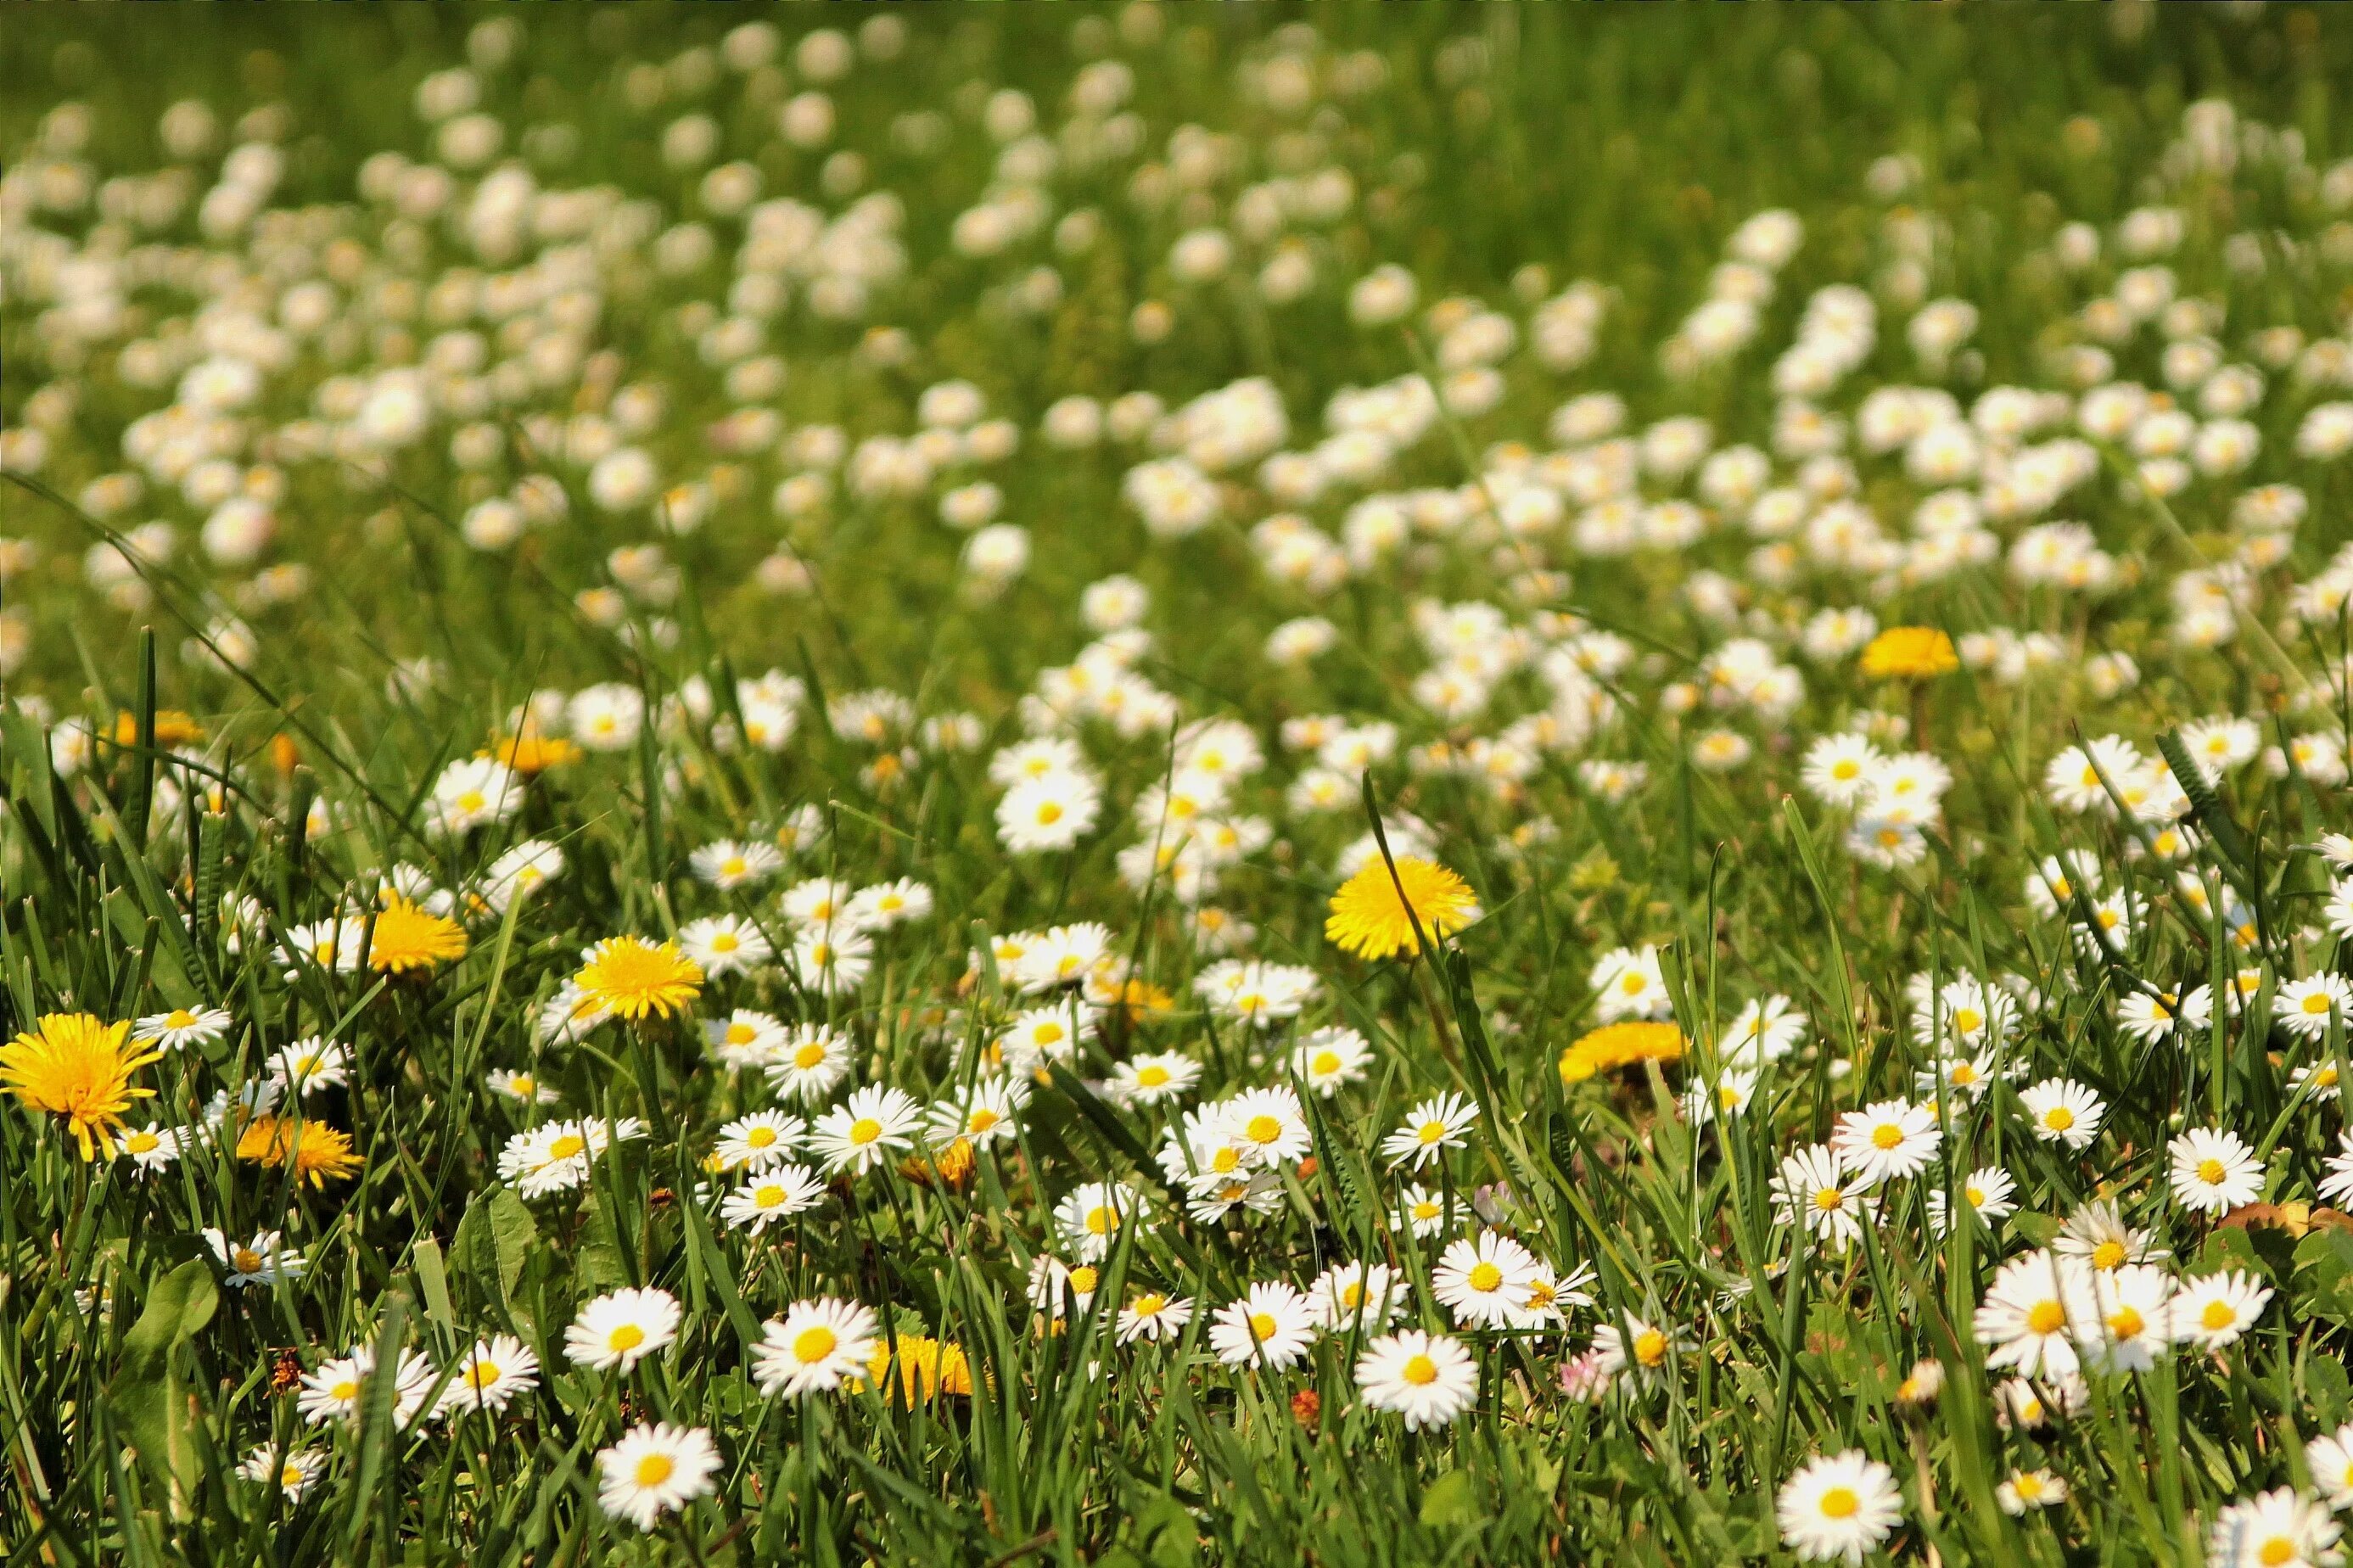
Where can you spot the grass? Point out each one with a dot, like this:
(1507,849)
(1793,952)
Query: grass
(200,755)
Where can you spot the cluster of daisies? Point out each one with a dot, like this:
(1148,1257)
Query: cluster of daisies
(1830,570)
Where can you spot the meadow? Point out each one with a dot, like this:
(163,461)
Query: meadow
(1150,785)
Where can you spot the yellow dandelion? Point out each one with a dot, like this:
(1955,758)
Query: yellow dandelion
(1621,1044)
(632,978)
(927,1367)
(319,1154)
(1146,1001)
(1909,653)
(1370,920)
(409,939)
(75,1065)
(953,1167)
(173,728)
(532,752)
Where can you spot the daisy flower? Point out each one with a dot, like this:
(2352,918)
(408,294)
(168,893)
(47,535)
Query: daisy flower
(815,1347)
(1155,1316)
(1814,1195)
(491,1375)
(1990,1191)
(309,1064)
(1962,1079)
(2097,1233)
(2336,1186)
(1886,1139)
(1090,1217)
(2214,1310)
(1272,1325)
(1048,812)
(865,1130)
(1349,1294)
(1051,1280)
(2279,1528)
(2330,1460)
(888,904)
(1420,1211)
(1628,983)
(2024,1489)
(1549,1299)
(183,1027)
(2148,1017)
(809,1062)
(833,962)
(264,1260)
(150,1148)
(727,864)
(1729,1095)
(2036,1306)
(1430,1127)
(1042,1035)
(2135,1318)
(724,944)
(654,1470)
(1270,1125)
(1155,1078)
(1837,769)
(291,1473)
(2213,1172)
(815,903)
(746,1039)
(756,1141)
(1762,1032)
(981,1115)
(1633,1346)
(1839,1506)
(2318,1081)
(2061,1110)
(1483,1279)
(1064,955)
(615,1332)
(333,1392)
(2304,1008)
(1328,1060)
(1427,1379)
(520,1084)
(774,1194)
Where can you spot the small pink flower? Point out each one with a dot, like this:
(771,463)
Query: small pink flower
(1582,1377)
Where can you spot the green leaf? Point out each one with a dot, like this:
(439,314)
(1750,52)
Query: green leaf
(2228,1248)
(714,1261)
(1451,1500)
(433,1281)
(492,1244)
(2038,1228)
(148,1396)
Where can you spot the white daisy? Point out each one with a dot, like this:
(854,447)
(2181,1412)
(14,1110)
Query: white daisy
(1428,1379)
(773,1194)
(1839,1506)
(615,1332)
(654,1470)
(815,1347)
